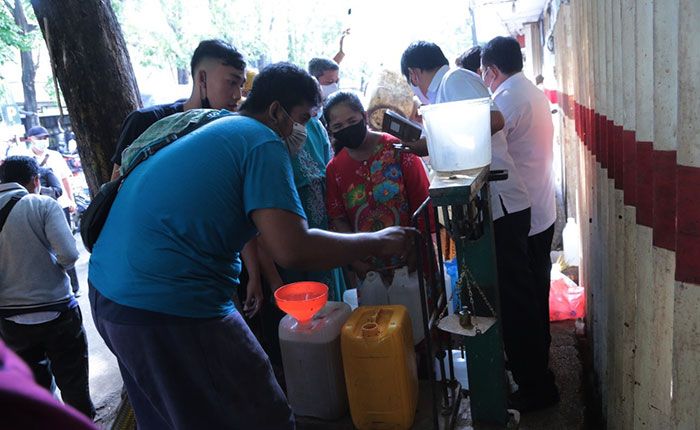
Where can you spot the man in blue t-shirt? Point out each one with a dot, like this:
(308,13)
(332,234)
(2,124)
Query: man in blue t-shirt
(166,264)
(218,74)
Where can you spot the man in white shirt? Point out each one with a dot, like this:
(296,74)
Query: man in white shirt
(38,138)
(426,68)
(529,133)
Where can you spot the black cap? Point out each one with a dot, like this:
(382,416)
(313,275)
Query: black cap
(37,131)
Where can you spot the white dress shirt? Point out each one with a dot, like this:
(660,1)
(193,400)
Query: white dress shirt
(59,166)
(529,132)
(461,84)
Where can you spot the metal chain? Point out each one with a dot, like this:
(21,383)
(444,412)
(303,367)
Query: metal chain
(472,281)
(467,278)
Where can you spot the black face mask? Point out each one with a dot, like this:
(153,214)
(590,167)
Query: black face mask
(351,137)
(205,103)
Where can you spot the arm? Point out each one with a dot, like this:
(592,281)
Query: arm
(59,235)
(134,124)
(69,193)
(269,269)
(291,244)
(341,225)
(340,55)
(50,186)
(254,296)
(497,122)
(116,174)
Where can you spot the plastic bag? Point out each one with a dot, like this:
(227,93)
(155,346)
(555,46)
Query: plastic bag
(566,299)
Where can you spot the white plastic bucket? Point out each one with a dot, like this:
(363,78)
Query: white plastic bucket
(459,134)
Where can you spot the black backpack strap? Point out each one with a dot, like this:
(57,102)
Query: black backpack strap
(5,211)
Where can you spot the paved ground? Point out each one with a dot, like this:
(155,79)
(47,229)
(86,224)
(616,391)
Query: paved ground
(105,380)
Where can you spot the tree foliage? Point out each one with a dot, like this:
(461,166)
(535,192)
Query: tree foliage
(264,31)
(12,38)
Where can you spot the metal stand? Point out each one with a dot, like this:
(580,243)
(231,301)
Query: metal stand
(463,202)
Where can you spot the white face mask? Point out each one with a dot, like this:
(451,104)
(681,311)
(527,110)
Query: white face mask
(484,77)
(327,90)
(296,140)
(41,144)
(418,93)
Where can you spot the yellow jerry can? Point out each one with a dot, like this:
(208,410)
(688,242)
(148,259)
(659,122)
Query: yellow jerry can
(380,367)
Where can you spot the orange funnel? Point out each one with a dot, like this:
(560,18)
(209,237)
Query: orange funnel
(302,299)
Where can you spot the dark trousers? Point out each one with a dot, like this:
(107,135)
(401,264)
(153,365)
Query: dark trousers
(524,337)
(55,349)
(539,248)
(183,373)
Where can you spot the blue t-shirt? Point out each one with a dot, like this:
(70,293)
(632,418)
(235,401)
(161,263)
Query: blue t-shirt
(172,240)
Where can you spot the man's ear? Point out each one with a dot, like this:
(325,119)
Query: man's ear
(273,111)
(201,80)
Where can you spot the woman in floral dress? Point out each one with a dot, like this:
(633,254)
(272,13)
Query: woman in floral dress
(370,184)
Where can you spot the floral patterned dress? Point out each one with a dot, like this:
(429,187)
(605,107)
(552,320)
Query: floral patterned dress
(376,193)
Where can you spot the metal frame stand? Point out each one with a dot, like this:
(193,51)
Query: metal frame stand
(463,202)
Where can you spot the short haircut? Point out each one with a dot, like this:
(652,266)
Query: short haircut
(342,97)
(19,168)
(470,59)
(283,82)
(319,66)
(217,49)
(422,55)
(504,53)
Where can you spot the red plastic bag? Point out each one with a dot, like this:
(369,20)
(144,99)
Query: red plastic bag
(566,299)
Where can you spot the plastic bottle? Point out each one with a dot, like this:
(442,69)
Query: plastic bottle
(313,366)
(404,290)
(380,367)
(572,242)
(372,291)
(448,293)
(350,297)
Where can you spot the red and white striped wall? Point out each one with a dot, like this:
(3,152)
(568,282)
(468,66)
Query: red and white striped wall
(629,85)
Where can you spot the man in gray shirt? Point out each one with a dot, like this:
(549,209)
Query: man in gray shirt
(39,317)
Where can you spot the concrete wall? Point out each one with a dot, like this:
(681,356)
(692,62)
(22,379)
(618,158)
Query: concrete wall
(628,73)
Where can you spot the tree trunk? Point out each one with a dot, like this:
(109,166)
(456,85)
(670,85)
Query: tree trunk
(28,88)
(92,65)
(183,76)
(28,68)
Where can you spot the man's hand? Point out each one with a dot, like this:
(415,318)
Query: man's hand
(397,241)
(253,298)
(72,207)
(418,147)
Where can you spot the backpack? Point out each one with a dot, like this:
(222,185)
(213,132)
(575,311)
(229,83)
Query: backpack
(159,135)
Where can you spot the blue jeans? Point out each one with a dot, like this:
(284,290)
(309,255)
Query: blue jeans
(191,373)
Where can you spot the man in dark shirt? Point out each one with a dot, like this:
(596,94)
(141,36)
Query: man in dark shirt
(218,74)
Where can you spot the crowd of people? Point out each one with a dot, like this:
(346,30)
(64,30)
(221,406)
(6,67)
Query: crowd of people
(293,186)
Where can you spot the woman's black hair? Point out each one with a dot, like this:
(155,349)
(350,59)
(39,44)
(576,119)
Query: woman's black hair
(283,82)
(348,98)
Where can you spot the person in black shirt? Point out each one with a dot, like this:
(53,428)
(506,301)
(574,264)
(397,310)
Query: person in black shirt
(218,74)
